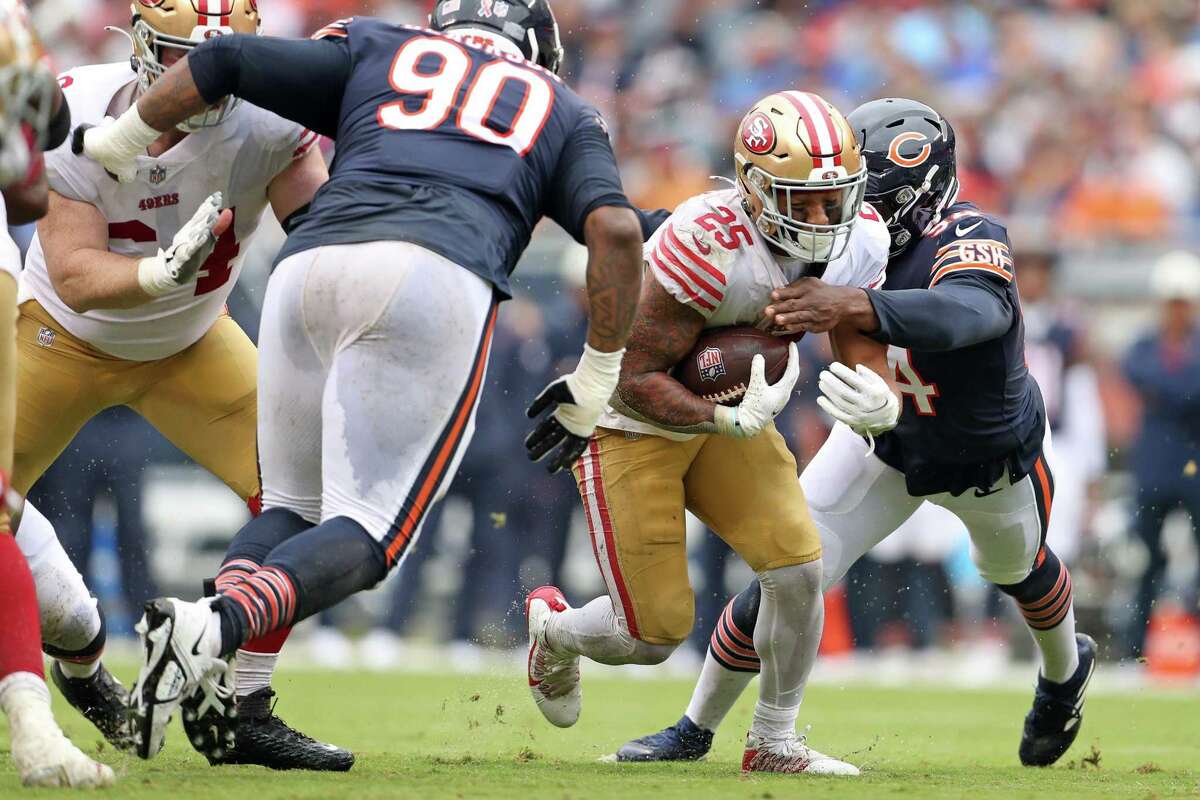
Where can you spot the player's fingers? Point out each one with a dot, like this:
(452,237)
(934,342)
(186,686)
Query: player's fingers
(758,372)
(833,411)
(543,438)
(572,448)
(540,403)
(832,387)
(849,376)
(224,220)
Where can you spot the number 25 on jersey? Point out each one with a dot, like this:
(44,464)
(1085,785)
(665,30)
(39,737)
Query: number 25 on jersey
(429,74)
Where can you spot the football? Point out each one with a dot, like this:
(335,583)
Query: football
(718,368)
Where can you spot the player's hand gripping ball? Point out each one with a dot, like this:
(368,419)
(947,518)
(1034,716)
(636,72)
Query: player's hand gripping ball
(718,368)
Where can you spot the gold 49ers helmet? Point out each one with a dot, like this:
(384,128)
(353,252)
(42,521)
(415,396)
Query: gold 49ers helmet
(801,175)
(26,92)
(160,26)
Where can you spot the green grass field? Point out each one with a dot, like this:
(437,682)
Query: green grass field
(464,736)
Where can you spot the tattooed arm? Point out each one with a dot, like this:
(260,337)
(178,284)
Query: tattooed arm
(614,272)
(664,332)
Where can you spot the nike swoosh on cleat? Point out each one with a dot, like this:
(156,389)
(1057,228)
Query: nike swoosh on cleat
(959,231)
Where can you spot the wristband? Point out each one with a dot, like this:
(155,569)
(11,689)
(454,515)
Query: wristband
(726,420)
(154,277)
(595,378)
(128,136)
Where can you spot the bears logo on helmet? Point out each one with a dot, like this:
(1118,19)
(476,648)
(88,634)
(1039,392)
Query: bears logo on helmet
(908,161)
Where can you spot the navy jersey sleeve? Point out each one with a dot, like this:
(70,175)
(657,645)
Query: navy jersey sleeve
(586,176)
(969,299)
(651,220)
(299,79)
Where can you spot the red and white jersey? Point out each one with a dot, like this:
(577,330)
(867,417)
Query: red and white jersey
(239,157)
(709,256)
(10,254)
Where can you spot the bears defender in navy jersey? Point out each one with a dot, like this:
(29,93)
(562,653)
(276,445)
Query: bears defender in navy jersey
(452,143)
(971,408)
(459,148)
(970,437)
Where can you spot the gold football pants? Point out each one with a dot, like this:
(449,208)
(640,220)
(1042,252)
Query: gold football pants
(203,399)
(635,489)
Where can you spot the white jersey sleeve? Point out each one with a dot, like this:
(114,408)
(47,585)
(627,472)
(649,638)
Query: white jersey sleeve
(694,254)
(864,264)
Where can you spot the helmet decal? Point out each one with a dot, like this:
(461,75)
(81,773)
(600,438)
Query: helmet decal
(908,161)
(758,134)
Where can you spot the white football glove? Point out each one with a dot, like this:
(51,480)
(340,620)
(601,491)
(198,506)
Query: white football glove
(192,245)
(116,143)
(859,398)
(577,401)
(762,402)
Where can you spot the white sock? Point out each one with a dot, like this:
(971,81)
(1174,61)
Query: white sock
(1060,654)
(715,693)
(214,641)
(592,630)
(253,671)
(77,671)
(16,684)
(787,634)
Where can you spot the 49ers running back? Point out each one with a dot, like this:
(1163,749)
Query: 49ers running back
(123,303)
(796,210)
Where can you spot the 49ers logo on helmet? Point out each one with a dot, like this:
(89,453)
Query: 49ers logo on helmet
(758,134)
(908,161)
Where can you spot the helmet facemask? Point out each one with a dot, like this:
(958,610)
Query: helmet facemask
(149,47)
(778,207)
(26,97)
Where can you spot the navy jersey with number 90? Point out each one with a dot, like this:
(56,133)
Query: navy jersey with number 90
(453,147)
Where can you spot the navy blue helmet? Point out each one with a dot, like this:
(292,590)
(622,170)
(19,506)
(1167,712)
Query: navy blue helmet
(911,179)
(529,24)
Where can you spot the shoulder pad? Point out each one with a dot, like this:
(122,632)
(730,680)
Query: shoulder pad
(693,254)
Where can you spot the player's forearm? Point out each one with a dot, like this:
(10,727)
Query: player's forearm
(949,317)
(88,279)
(172,98)
(614,276)
(659,399)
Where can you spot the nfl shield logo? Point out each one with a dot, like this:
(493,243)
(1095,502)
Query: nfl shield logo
(45,337)
(710,363)
(158,175)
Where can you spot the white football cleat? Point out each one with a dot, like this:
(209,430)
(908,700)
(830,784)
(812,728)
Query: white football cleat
(43,755)
(553,676)
(179,644)
(790,754)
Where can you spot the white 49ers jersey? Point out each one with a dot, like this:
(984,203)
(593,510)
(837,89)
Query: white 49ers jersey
(240,157)
(709,256)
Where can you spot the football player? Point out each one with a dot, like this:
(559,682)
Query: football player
(33,116)
(452,143)
(972,435)
(123,303)
(796,210)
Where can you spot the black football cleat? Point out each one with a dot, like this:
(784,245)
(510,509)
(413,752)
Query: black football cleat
(683,741)
(264,739)
(101,699)
(1057,714)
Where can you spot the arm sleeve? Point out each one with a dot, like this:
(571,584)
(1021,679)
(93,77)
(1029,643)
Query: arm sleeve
(651,221)
(586,177)
(957,313)
(299,79)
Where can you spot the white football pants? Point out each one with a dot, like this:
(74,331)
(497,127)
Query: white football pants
(371,362)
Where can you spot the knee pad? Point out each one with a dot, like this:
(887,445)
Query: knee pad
(800,582)
(650,654)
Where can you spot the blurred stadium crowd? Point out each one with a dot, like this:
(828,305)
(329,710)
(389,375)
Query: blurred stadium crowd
(1078,121)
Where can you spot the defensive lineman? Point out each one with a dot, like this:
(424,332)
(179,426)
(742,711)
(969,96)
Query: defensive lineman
(970,438)
(123,303)
(377,321)
(796,209)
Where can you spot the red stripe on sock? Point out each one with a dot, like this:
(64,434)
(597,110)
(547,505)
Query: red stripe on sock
(20,628)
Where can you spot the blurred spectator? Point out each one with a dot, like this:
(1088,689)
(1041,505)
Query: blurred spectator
(1057,355)
(1164,368)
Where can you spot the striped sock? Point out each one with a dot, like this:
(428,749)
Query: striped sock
(1046,602)
(731,647)
(265,600)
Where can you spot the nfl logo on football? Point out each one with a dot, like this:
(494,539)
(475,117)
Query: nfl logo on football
(710,363)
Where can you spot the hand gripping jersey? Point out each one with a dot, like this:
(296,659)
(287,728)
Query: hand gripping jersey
(239,157)
(965,410)
(710,257)
(458,149)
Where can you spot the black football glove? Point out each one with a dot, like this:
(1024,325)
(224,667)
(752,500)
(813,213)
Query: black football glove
(550,433)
